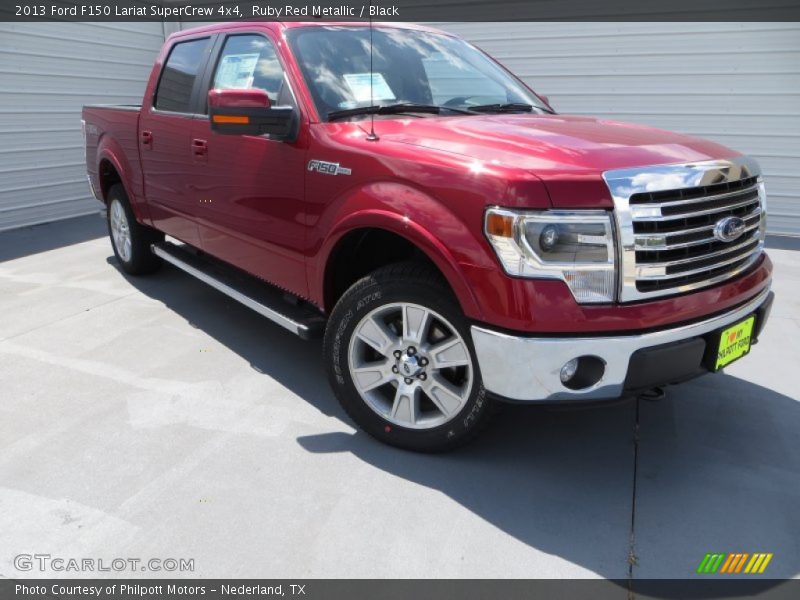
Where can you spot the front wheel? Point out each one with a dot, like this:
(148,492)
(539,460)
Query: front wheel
(400,360)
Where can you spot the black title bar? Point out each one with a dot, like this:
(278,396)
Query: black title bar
(400,10)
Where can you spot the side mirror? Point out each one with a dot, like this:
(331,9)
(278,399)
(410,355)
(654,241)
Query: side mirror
(249,112)
(546,100)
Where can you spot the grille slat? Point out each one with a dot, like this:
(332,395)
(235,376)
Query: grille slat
(703,199)
(675,268)
(704,192)
(705,277)
(751,200)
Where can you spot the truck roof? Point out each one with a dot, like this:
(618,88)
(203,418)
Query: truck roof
(282,25)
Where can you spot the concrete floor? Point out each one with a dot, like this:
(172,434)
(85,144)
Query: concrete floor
(153,417)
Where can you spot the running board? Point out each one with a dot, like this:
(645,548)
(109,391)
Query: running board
(255,294)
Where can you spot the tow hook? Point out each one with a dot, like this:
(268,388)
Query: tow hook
(653,395)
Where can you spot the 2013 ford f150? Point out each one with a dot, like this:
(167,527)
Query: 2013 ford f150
(456,241)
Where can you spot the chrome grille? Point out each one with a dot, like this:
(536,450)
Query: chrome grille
(666,218)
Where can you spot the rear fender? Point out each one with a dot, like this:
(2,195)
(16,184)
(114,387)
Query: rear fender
(108,149)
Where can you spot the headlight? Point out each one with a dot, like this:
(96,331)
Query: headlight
(576,247)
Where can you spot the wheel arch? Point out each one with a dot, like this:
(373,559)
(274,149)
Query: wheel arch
(114,167)
(108,175)
(348,255)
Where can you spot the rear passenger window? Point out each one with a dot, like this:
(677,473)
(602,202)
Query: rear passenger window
(174,91)
(250,61)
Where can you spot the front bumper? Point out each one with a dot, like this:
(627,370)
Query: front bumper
(527,369)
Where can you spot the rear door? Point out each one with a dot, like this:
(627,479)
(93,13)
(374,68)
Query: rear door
(165,135)
(249,189)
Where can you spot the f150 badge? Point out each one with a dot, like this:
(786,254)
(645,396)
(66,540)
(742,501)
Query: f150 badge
(327,168)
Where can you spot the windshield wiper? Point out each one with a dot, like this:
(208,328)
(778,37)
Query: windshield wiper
(393,109)
(508,107)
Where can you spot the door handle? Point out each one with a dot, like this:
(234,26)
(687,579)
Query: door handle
(199,147)
(147,138)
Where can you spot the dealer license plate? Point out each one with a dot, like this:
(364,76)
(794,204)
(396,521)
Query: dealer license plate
(734,342)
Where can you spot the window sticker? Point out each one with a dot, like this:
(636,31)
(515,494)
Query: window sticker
(235,71)
(359,85)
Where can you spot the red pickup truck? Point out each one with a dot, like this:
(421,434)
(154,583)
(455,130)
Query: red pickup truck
(456,241)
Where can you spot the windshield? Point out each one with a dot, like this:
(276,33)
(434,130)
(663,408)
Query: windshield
(408,67)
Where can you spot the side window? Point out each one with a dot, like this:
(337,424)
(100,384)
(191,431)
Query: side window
(174,91)
(250,61)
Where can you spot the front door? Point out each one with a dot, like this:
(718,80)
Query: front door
(165,134)
(250,188)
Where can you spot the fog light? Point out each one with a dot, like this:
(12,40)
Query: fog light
(568,370)
(582,372)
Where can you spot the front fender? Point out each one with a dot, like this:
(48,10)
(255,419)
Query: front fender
(447,239)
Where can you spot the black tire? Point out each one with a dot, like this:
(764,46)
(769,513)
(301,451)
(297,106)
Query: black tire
(141,259)
(407,282)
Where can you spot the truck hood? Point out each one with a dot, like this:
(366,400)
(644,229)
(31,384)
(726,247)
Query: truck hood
(562,151)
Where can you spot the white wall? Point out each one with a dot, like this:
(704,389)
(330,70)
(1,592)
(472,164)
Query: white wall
(48,72)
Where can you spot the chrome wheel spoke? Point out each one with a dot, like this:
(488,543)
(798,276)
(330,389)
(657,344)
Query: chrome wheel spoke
(447,397)
(405,407)
(450,353)
(370,377)
(415,323)
(377,335)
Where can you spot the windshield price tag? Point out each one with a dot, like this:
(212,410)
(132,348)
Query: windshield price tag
(359,85)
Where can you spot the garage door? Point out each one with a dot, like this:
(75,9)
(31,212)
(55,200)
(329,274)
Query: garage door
(49,70)
(735,83)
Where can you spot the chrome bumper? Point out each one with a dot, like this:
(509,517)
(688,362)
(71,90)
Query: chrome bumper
(528,368)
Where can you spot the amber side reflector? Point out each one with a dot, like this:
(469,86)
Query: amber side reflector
(231,119)
(500,225)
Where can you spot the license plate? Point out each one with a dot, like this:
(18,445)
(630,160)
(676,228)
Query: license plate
(734,342)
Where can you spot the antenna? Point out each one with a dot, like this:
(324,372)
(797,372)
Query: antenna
(372,137)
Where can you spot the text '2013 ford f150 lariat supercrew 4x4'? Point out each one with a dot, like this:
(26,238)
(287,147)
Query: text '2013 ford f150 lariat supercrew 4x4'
(455,239)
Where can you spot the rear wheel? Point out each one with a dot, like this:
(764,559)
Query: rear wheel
(130,240)
(401,363)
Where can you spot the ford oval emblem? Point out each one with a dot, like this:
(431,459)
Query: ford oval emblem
(729,229)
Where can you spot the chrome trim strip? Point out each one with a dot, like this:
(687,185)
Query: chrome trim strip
(527,368)
(753,189)
(661,277)
(683,215)
(263,310)
(624,183)
(690,287)
(644,269)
